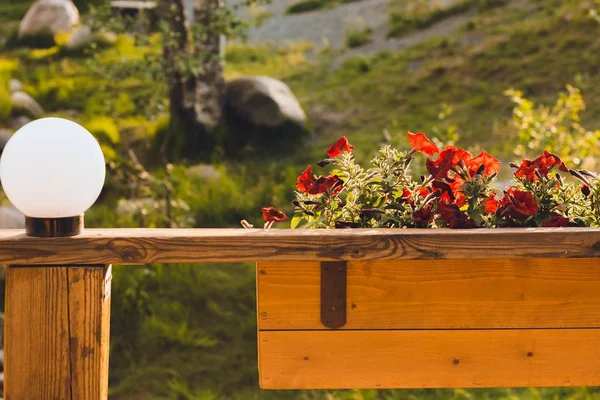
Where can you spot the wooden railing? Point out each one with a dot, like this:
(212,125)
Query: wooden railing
(58,303)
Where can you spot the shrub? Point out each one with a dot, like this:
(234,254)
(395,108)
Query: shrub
(359,37)
(5,102)
(307,5)
(423,15)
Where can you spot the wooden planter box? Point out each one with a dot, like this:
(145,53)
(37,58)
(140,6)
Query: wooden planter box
(516,320)
(364,308)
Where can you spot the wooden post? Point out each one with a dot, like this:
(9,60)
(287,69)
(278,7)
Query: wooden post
(57,332)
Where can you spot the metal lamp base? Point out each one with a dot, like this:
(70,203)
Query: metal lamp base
(54,227)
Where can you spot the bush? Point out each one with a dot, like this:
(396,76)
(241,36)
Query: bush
(5,102)
(307,5)
(423,15)
(357,38)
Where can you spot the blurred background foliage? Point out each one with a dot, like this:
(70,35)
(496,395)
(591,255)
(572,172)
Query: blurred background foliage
(517,77)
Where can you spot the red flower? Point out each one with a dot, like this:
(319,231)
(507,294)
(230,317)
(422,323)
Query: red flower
(423,217)
(491,204)
(439,168)
(490,164)
(459,197)
(419,142)
(585,189)
(556,220)
(271,214)
(530,169)
(423,192)
(518,204)
(339,147)
(443,187)
(451,214)
(448,158)
(306,180)
(308,183)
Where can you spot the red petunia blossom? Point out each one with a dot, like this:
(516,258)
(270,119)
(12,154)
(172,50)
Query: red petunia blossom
(439,168)
(306,180)
(529,169)
(443,187)
(490,164)
(423,217)
(585,189)
(448,158)
(308,183)
(459,197)
(556,220)
(517,204)
(459,155)
(453,216)
(491,204)
(271,214)
(419,142)
(406,193)
(339,147)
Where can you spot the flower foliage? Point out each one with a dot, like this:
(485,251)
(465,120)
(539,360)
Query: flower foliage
(457,191)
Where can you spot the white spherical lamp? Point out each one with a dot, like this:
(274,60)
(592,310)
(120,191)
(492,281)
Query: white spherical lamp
(52,170)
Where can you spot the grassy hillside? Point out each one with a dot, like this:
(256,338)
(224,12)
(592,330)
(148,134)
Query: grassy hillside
(188,332)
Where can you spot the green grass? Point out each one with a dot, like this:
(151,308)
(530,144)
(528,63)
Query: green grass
(421,14)
(358,37)
(304,6)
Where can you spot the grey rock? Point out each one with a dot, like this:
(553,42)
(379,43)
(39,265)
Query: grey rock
(4,137)
(263,101)
(47,17)
(204,171)
(11,218)
(81,39)
(15,85)
(21,101)
(105,37)
(135,206)
(19,122)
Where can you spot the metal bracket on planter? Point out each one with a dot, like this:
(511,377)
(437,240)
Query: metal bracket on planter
(333,293)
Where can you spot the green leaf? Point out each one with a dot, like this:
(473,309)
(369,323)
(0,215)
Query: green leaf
(296,220)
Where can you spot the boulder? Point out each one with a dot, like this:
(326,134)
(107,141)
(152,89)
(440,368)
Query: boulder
(19,122)
(84,37)
(11,218)
(47,17)
(21,101)
(206,172)
(4,136)
(81,39)
(263,102)
(15,85)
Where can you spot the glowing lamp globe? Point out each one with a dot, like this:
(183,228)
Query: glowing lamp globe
(52,170)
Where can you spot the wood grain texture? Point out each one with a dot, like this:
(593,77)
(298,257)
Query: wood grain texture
(429,359)
(57,332)
(142,246)
(36,307)
(448,294)
(89,306)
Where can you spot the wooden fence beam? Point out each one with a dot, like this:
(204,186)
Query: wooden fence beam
(57,332)
(144,246)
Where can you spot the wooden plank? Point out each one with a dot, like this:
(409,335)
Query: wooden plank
(57,330)
(142,246)
(448,294)
(36,307)
(429,359)
(89,300)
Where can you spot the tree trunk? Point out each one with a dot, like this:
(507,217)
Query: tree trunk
(194,70)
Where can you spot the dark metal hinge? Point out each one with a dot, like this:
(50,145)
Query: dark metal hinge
(333,293)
